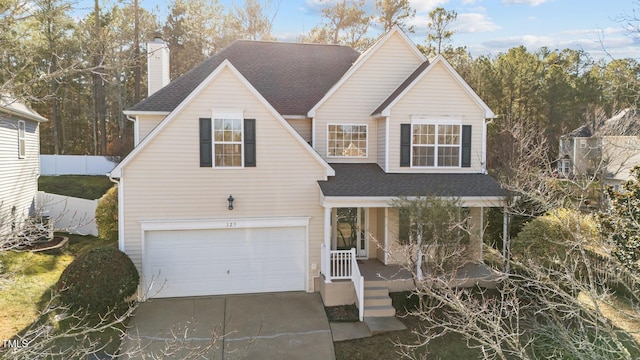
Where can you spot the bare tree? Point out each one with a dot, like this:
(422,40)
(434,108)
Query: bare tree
(345,22)
(548,306)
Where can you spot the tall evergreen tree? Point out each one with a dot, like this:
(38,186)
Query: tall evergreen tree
(395,12)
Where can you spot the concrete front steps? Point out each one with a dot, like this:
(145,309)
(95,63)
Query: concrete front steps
(377,302)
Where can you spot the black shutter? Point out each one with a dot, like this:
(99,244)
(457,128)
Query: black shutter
(466,145)
(249,142)
(405,145)
(206,151)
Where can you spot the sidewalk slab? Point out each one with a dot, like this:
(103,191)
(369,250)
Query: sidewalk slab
(379,325)
(343,331)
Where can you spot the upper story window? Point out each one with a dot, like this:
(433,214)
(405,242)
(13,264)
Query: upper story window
(435,145)
(347,140)
(227,141)
(22,143)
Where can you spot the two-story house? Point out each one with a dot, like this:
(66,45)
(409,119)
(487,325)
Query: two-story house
(254,169)
(608,150)
(19,164)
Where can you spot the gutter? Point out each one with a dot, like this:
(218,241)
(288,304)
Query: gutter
(136,130)
(484,144)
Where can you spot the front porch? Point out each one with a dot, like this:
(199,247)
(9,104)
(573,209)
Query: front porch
(367,244)
(399,278)
(368,282)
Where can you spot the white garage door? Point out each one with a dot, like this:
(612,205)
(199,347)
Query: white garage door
(224,261)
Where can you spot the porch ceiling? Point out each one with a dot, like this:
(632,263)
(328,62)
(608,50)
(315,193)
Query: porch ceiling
(370,181)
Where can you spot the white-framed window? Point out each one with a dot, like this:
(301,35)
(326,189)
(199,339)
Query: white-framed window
(22,143)
(435,144)
(227,140)
(347,140)
(565,167)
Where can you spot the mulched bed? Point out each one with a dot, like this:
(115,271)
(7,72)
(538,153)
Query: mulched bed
(342,313)
(56,244)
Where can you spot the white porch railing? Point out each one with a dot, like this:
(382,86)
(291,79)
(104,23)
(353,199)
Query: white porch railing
(342,265)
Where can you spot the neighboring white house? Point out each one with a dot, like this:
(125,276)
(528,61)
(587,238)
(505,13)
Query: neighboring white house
(254,170)
(609,151)
(19,162)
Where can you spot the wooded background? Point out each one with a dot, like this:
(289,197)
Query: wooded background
(81,72)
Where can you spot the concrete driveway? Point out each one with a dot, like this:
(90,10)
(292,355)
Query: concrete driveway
(260,326)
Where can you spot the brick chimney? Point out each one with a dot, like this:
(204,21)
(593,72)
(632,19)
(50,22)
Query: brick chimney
(157,64)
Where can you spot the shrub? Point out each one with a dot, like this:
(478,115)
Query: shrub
(107,215)
(98,280)
(554,234)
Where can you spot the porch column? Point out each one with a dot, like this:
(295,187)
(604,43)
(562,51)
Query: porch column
(326,250)
(505,239)
(474,249)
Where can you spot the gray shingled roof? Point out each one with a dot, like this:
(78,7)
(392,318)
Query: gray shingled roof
(292,77)
(582,131)
(402,87)
(371,180)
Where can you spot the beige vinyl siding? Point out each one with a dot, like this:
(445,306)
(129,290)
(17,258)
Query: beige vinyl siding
(165,180)
(437,96)
(18,177)
(382,136)
(146,124)
(397,253)
(363,92)
(303,127)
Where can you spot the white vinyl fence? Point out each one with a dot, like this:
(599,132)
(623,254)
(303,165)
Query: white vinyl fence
(69,214)
(75,165)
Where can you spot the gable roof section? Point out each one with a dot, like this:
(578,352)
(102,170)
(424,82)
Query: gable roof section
(226,64)
(11,105)
(385,108)
(582,131)
(624,123)
(292,77)
(363,59)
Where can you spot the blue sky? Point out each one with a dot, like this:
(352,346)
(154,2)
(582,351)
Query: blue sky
(492,26)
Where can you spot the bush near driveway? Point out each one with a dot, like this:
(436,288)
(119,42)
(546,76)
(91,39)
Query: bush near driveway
(27,279)
(98,280)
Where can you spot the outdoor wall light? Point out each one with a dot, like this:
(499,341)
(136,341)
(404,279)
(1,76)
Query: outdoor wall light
(230,200)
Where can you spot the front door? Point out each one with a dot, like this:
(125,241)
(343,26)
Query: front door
(350,230)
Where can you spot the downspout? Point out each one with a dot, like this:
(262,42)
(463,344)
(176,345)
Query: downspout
(313,133)
(120,211)
(136,130)
(386,144)
(484,145)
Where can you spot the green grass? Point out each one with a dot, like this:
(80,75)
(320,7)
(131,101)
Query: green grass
(85,187)
(27,279)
